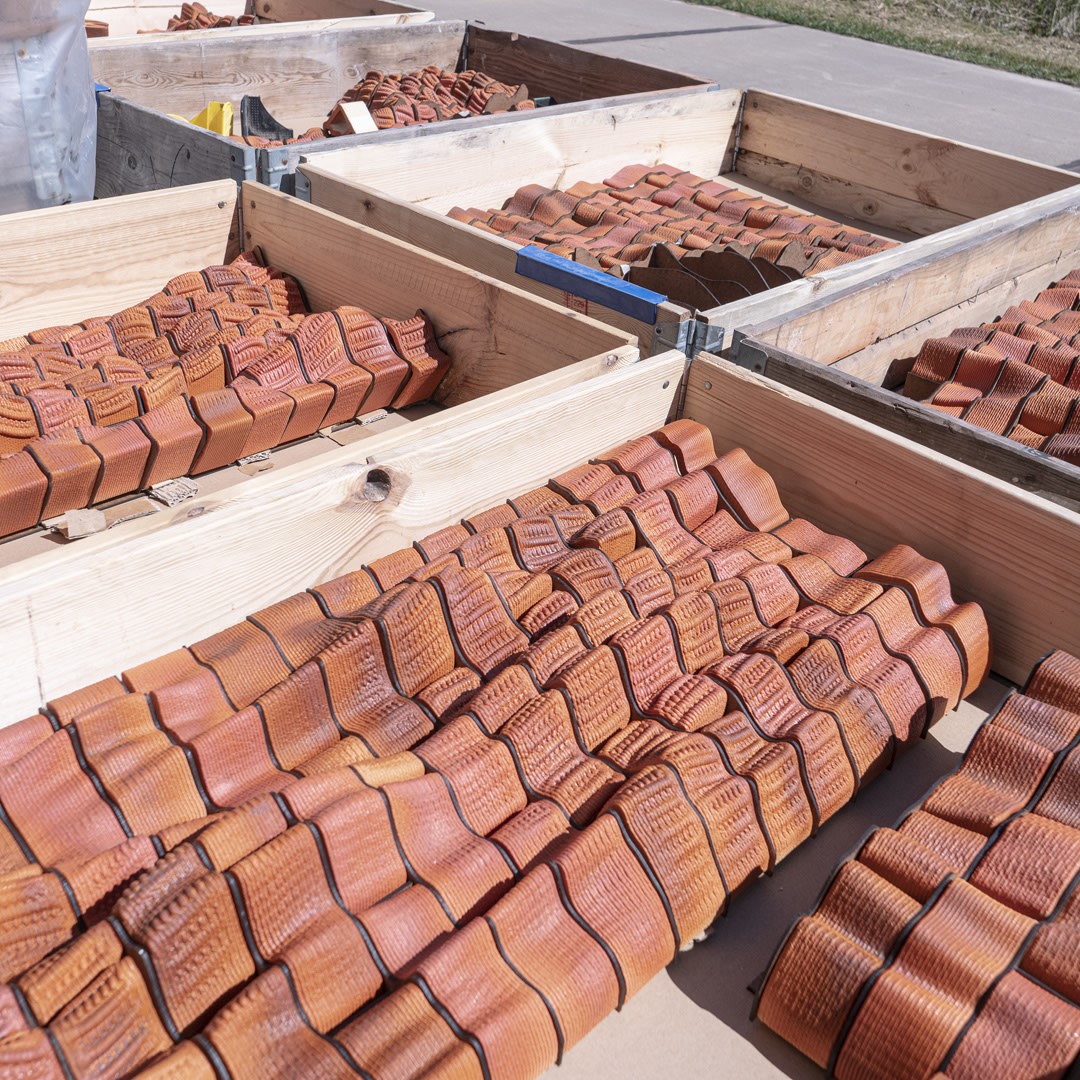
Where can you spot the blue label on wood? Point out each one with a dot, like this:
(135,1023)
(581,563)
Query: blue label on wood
(590,284)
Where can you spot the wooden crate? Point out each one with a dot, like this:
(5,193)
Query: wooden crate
(862,172)
(300,73)
(70,615)
(852,347)
(137,19)
(1011,551)
(132,592)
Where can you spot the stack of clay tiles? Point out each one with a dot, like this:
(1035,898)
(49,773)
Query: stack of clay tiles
(950,945)
(220,364)
(407,99)
(195,16)
(1018,376)
(621,219)
(440,816)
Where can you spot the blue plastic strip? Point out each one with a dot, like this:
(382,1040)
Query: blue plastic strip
(101,88)
(590,284)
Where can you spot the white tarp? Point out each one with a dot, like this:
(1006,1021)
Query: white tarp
(48,115)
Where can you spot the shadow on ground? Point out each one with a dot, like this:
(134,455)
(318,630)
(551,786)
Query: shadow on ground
(716,973)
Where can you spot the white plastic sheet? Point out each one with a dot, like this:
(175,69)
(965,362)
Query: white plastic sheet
(48,115)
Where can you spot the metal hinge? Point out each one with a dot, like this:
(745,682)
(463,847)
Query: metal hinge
(690,337)
(746,355)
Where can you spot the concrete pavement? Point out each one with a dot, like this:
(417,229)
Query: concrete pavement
(1026,117)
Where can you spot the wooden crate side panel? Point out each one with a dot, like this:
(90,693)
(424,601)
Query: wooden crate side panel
(888,293)
(879,489)
(242,35)
(139,149)
(71,618)
(69,263)
(847,200)
(303,10)
(497,334)
(561,71)
(885,362)
(874,157)
(298,75)
(439,169)
(463,244)
(1009,461)
(127,17)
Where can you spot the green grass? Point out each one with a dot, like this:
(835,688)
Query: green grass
(932,28)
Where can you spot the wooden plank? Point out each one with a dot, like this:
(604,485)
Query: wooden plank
(885,362)
(895,290)
(86,620)
(68,263)
(140,149)
(561,71)
(842,148)
(240,35)
(800,317)
(127,17)
(301,10)
(499,334)
(694,131)
(846,200)
(1011,551)
(298,75)
(1009,461)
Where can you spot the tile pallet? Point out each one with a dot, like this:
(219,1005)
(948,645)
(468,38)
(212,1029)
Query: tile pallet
(842,347)
(513,358)
(876,176)
(300,73)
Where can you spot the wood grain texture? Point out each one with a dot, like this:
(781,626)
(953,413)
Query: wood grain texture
(497,334)
(1011,551)
(298,74)
(895,161)
(140,149)
(801,318)
(1009,461)
(561,71)
(848,200)
(240,35)
(83,617)
(301,10)
(440,167)
(69,263)
(126,17)
(889,293)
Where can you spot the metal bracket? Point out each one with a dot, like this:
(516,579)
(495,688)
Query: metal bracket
(746,355)
(690,337)
(672,335)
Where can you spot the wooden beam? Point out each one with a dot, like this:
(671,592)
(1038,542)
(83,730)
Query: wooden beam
(844,310)
(561,71)
(840,155)
(97,606)
(69,263)
(299,75)
(1011,462)
(1012,552)
(452,165)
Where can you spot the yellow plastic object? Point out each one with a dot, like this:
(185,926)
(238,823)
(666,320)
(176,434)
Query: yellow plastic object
(216,117)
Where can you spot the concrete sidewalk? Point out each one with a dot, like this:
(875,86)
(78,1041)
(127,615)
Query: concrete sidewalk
(1026,117)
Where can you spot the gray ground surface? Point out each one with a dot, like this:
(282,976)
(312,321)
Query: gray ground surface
(1027,117)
